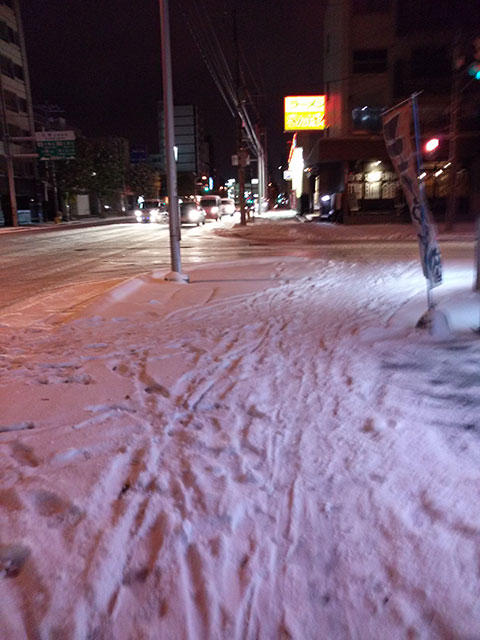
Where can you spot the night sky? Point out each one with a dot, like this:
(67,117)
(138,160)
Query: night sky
(100,61)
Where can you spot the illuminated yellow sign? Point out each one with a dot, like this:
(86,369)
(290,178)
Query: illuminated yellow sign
(303,113)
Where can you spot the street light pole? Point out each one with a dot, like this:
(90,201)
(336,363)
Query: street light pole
(174,215)
(241,154)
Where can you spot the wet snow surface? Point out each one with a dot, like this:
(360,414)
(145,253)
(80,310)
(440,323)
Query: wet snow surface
(271,451)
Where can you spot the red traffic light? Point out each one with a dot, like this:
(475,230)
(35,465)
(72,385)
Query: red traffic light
(432,144)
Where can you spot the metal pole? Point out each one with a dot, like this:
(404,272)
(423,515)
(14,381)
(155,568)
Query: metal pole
(55,191)
(421,187)
(240,149)
(241,174)
(261,193)
(11,182)
(174,215)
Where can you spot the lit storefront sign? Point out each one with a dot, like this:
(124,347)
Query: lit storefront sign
(296,167)
(304,113)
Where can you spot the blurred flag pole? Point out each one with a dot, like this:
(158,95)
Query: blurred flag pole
(407,162)
(173,211)
(421,188)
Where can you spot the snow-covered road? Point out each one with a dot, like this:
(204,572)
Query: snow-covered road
(269,452)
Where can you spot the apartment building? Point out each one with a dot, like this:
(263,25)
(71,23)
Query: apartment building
(193,148)
(16,114)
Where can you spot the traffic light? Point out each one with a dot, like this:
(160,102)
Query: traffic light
(431,145)
(474,68)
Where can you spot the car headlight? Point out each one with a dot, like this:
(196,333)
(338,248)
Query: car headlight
(214,209)
(138,213)
(193,215)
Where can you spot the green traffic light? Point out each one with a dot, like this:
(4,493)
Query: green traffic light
(474,71)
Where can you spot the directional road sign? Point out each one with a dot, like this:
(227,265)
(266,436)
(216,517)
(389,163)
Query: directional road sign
(55,145)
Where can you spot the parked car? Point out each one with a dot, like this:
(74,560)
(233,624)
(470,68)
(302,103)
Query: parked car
(151,211)
(192,213)
(211,205)
(227,207)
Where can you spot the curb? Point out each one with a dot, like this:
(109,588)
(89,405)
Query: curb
(74,224)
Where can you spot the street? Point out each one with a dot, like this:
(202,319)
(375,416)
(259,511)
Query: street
(39,265)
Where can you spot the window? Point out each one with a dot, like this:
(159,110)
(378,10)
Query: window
(11,101)
(370,61)
(367,118)
(8,34)
(4,32)
(22,105)
(18,71)
(14,131)
(13,36)
(6,66)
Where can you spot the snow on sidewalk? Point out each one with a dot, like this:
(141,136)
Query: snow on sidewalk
(268,452)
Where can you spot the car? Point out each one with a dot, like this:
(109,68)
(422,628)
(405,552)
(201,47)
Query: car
(211,205)
(192,213)
(151,211)
(227,207)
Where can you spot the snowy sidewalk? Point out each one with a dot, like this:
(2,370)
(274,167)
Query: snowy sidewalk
(271,451)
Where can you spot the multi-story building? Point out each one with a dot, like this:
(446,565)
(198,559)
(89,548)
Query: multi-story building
(16,115)
(193,147)
(376,54)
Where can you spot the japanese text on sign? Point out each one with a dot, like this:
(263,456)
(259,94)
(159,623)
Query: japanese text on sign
(303,113)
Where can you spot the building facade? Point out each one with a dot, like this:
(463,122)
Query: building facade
(376,54)
(16,117)
(193,148)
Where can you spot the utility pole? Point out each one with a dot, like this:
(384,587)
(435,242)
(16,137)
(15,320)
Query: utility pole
(451,211)
(56,211)
(241,171)
(261,189)
(11,181)
(173,211)
(240,147)
(261,167)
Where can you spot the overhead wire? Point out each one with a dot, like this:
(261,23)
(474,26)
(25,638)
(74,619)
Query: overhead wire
(208,62)
(212,53)
(211,48)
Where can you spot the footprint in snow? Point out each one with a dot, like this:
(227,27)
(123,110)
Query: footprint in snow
(12,559)
(50,505)
(23,454)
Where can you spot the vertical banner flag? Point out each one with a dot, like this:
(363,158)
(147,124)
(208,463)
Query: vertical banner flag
(396,131)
